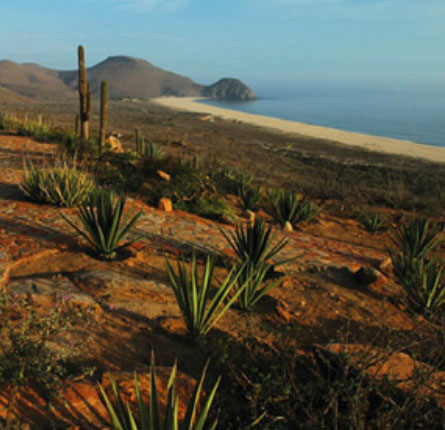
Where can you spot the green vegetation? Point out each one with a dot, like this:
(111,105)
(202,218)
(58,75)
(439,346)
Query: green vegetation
(148,417)
(103,114)
(254,250)
(104,223)
(286,206)
(249,197)
(60,185)
(193,292)
(280,389)
(253,243)
(416,238)
(26,355)
(373,221)
(415,267)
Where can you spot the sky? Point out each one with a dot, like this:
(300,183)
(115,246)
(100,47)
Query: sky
(262,42)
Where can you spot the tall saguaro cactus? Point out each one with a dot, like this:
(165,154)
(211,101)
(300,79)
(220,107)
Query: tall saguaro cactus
(103,113)
(84,95)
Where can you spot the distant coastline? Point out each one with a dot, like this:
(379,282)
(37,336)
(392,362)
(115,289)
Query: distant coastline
(365,141)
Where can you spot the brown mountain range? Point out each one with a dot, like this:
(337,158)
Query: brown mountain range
(127,78)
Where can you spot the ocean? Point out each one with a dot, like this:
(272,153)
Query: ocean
(415,113)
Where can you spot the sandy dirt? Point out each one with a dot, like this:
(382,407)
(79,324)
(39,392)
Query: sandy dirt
(373,143)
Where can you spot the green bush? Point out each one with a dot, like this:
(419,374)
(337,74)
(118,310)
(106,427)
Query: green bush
(193,292)
(286,206)
(60,186)
(27,357)
(104,223)
(148,417)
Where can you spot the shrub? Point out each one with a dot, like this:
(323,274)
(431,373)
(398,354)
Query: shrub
(148,416)
(104,223)
(423,281)
(213,208)
(26,355)
(60,185)
(416,239)
(287,206)
(193,292)
(249,197)
(373,221)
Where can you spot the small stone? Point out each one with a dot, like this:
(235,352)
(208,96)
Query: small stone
(163,175)
(385,263)
(115,144)
(288,227)
(283,311)
(165,205)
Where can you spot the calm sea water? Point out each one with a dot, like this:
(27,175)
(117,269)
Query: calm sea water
(409,113)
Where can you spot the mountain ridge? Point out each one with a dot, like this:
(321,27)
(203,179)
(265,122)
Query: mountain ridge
(128,77)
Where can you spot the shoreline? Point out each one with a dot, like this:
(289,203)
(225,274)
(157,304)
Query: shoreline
(364,141)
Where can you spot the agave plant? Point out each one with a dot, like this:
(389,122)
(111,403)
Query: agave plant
(148,417)
(193,292)
(253,243)
(249,197)
(417,239)
(287,206)
(61,185)
(154,151)
(373,221)
(423,280)
(104,223)
(252,282)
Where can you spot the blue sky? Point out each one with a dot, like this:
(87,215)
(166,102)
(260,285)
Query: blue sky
(259,41)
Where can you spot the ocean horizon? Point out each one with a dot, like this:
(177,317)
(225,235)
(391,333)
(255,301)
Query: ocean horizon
(412,113)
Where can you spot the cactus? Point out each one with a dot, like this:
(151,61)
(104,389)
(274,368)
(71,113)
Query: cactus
(77,125)
(103,113)
(138,140)
(84,95)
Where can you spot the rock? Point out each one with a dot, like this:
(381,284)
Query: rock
(165,205)
(229,89)
(283,311)
(42,291)
(114,144)
(385,263)
(163,175)
(4,274)
(288,227)
(369,276)
(207,118)
(125,294)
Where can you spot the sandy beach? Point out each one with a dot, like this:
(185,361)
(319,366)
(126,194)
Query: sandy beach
(373,143)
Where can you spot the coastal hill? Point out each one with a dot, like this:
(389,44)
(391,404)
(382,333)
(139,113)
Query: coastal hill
(127,77)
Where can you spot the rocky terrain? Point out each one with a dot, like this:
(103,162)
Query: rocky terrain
(338,291)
